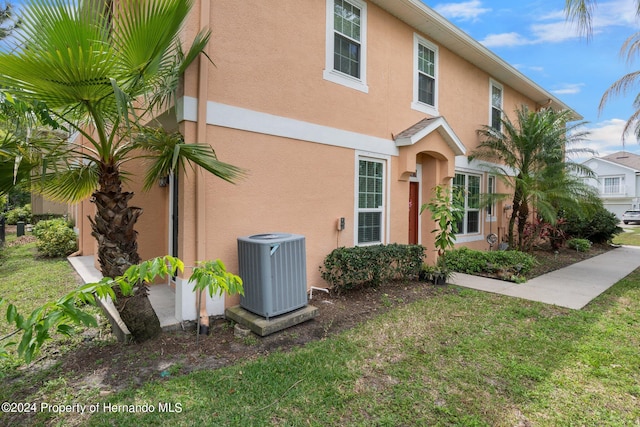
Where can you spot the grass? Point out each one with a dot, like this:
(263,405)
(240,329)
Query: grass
(462,358)
(631,236)
(29,284)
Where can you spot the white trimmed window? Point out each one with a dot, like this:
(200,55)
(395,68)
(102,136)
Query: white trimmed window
(470,186)
(495,107)
(346,59)
(370,194)
(425,80)
(613,185)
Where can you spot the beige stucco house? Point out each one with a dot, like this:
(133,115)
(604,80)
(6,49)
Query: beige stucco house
(349,109)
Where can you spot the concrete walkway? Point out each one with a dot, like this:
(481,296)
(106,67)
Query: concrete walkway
(572,287)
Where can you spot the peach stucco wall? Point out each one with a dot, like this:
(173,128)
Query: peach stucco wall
(270,58)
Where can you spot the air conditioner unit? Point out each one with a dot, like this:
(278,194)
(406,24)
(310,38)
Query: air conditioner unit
(274,273)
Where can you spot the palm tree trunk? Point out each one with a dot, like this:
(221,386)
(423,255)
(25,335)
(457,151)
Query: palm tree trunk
(523,216)
(517,200)
(113,228)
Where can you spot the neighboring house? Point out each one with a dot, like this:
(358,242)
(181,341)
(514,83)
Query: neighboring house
(337,109)
(618,180)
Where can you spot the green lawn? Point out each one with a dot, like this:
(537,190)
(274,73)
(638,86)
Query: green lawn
(631,236)
(467,358)
(29,284)
(461,357)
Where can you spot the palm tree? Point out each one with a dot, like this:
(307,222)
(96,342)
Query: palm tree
(100,67)
(582,12)
(529,156)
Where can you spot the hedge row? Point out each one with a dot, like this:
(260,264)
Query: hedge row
(505,263)
(362,266)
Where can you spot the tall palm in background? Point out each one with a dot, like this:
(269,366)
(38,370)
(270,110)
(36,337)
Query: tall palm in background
(582,11)
(530,157)
(101,67)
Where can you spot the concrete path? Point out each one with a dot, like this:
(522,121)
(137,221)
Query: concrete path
(572,287)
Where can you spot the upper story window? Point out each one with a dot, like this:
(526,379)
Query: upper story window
(425,87)
(495,114)
(613,185)
(346,43)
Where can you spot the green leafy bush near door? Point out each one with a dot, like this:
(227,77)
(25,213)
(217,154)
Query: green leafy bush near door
(362,266)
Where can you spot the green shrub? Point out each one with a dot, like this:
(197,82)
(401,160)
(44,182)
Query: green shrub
(580,245)
(511,265)
(360,266)
(36,218)
(600,226)
(19,214)
(55,238)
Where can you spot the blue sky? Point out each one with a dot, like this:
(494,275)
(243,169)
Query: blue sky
(533,36)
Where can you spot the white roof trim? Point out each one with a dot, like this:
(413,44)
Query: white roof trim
(440,125)
(610,163)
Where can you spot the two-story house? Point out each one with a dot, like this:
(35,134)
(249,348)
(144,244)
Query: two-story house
(338,109)
(617,180)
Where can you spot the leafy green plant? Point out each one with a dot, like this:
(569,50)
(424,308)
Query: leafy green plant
(55,238)
(580,245)
(598,226)
(36,218)
(348,268)
(508,265)
(22,213)
(446,210)
(62,314)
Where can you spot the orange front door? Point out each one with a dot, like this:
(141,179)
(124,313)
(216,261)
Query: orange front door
(414,210)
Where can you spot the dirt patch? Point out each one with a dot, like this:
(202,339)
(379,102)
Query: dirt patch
(22,240)
(549,260)
(112,366)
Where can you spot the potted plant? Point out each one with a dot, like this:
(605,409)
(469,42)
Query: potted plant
(446,210)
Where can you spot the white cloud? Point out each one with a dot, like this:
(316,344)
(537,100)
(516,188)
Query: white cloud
(568,89)
(616,12)
(553,26)
(524,67)
(606,137)
(465,11)
(554,32)
(504,39)
(540,33)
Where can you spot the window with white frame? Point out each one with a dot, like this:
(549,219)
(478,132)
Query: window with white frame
(612,185)
(468,187)
(370,201)
(425,87)
(491,191)
(346,43)
(495,114)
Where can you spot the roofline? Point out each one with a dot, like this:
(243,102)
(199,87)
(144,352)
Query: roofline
(440,125)
(433,25)
(612,163)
